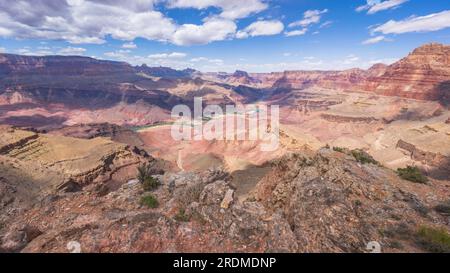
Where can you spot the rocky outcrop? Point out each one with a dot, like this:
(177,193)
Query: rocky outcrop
(335,205)
(50,162)
(427,158)
(346,119)
(166,72)
(307,202)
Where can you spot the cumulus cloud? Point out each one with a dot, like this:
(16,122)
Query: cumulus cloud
(91,21)
(374,40)
(374,6)
(261,28)
(213,29)
(431,22)
(309,17)
(129,45)
(84,21)
(231,9)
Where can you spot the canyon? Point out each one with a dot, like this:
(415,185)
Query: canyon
(74,130)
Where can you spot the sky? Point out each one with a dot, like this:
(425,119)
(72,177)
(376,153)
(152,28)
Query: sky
(226,35)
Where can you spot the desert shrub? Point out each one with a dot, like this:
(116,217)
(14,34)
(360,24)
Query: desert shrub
(363,157)
(443,208)
(339,149)
(149,201)
(412,174)
(144,176)
(144,171)
(150,183)
(434,239)
(181,216)
(189,194)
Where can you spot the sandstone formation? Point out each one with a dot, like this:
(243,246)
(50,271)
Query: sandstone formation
(424,74)
(307,202)
(32,165)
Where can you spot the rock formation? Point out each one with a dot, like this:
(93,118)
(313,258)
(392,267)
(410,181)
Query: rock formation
(307,202)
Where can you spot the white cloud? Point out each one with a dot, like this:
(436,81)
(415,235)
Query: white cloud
(374,6)
(29,52)
(91,21)
(231,9)
(326,24)
(199,59)
(350,59)
(296,32)
(129,45)
(431,22)
(213,29)
(261,28)
(71,51)
(309,17)
(2,50)
(173,55)
(387,61)
(374,40)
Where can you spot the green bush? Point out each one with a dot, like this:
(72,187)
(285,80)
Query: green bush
(144,171)
(150,183)
(149,201)
(412,174)
(339,149)
(144,176)
(181,216)
(434,239)
(363,157)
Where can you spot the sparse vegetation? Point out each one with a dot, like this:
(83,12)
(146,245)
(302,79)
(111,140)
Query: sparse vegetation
(150,184)
(145,177)
(363,157)
(434,239)
(181,216)
(339,149)
(189,194)
(413,174)
(149,201)
(443,208)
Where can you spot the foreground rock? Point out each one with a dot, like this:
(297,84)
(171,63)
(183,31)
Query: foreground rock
(34,165)
(307,202)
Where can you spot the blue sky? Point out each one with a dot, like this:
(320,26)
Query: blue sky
(225,35)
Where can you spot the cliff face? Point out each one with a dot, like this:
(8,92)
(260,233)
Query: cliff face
(424,74)
(421,75)
(59,65)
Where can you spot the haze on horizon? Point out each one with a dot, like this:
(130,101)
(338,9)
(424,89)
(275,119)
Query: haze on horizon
(219,35)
